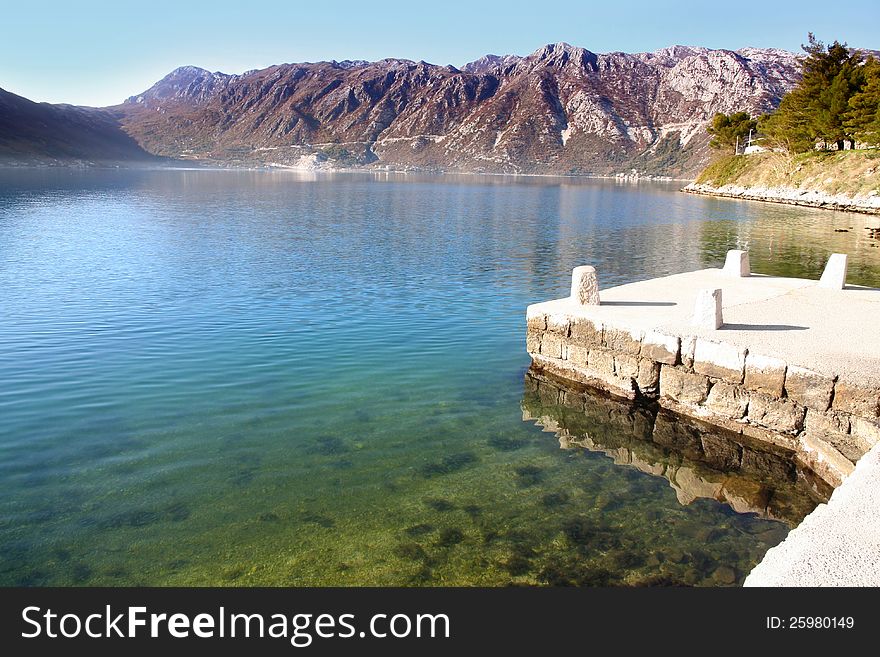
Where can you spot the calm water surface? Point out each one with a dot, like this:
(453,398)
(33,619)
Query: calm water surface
(271,378)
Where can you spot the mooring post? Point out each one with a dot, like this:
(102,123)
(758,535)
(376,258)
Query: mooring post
(737,264)
(585,286)
(834,276)
(707,309)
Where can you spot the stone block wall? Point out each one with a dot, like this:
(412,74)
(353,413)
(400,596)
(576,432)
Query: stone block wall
(829,422)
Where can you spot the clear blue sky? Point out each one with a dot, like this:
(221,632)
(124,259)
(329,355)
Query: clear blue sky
(98,53)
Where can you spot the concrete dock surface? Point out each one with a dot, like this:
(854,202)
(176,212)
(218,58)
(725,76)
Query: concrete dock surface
(833,332)
(838,544)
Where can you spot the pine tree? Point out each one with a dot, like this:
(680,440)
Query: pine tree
(789,125)
(816,109)
(727,130)
(862,118)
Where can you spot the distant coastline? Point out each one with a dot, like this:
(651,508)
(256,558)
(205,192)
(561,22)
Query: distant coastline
(198,165)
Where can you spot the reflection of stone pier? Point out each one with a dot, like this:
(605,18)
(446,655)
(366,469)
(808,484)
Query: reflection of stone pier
(793,363)
(698,459)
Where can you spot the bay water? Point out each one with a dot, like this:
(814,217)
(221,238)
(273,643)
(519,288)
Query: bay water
(282,378)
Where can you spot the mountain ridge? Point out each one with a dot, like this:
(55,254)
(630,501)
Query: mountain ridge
(561,109)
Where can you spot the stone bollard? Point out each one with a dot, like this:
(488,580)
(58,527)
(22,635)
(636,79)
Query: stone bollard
(585,286)
(707,310)
(737,264)
(834,276)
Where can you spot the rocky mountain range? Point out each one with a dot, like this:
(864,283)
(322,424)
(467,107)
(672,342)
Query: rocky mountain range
(561,109)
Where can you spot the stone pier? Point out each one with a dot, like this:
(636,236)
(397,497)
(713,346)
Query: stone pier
(792,363)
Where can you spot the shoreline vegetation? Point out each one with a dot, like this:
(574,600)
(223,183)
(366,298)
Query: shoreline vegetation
(821,146)
(844,180)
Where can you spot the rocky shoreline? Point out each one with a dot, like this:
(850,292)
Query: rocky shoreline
(865,204)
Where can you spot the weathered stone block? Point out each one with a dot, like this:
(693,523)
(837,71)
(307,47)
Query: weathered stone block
(536,321)
(622,340)
(707,310)
(834,275)
(683,387)
(602,368)
(727,400)
(765,374)
(824,460)
(777,414)
(867,431)
(808,388)
(602,362)
(552,345)
(586,332)
(660,348)
(737,264)
(559,323)
(688,346)
(585,286)
(856,399)
(763,435)
(852,436)
(649,377)
(626,366)
(820,423)
(578,355)
(851,446)
(720,360)
(533,340)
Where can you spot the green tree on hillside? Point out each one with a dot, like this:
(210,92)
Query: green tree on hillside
(863,113)
(816,110)
(727,129)
(788,126)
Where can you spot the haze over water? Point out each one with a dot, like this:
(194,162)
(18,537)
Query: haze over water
(221,377)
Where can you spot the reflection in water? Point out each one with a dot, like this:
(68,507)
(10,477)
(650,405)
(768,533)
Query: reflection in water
(793,242)
(698,460)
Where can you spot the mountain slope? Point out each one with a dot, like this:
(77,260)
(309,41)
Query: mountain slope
(42,133)
(561,109)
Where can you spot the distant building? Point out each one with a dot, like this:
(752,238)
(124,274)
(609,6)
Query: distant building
(752,146)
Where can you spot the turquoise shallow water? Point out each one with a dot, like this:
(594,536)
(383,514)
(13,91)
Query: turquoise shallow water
(219,377)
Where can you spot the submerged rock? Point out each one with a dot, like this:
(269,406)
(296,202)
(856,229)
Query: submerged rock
(449,464)
(450,536)
(439,504)
(724,576)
